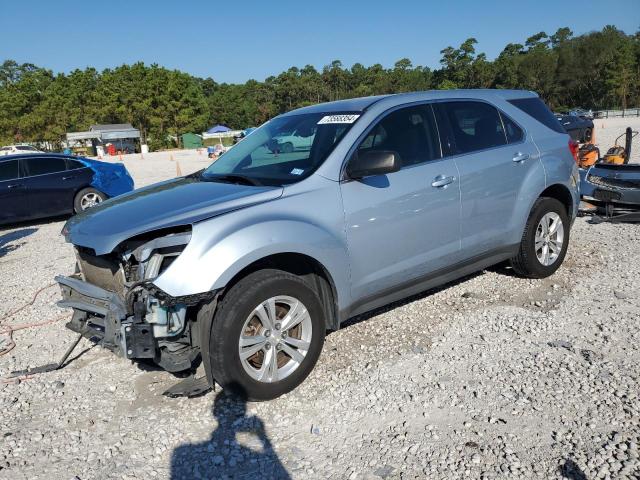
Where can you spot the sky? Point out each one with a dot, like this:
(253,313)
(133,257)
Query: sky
(235,41)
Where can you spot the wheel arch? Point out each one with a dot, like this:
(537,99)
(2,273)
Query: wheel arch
(561,193)
(84,187)
(292,262)
(302,265)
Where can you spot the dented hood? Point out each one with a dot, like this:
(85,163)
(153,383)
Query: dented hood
(181,201)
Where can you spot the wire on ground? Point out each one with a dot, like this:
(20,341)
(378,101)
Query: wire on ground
(6,331)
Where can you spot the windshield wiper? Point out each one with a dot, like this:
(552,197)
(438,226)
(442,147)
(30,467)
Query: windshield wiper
(233,178)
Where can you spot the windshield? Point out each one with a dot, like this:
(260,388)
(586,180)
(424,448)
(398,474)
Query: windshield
(284,150)
(25,147)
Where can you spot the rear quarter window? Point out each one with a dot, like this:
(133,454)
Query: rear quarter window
(73,164)
(514,132)
(534,107)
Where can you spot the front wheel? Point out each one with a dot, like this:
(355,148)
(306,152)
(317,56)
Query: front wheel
(287,147)
(267,335)
(545,240)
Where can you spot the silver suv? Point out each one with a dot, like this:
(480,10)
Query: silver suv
(245,266)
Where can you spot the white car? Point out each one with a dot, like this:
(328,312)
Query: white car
(290,142)
(17,149)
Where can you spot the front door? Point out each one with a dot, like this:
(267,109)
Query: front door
(404,225)
(13,201)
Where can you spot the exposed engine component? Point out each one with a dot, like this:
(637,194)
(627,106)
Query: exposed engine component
(148,323)
(166,321)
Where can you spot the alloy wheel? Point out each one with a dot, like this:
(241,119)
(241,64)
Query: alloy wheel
(275,338)
(549,238)
(90,199)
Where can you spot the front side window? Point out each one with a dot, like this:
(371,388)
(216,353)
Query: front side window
(44,165)
(26,148)
(410,132)
(473,126)
(9,170)
(283,151)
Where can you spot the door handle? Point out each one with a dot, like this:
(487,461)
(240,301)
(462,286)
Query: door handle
(69,177)
(442,181)
(14,185)
(520,157)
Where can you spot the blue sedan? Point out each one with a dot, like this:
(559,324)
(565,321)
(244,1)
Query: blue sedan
(44,185)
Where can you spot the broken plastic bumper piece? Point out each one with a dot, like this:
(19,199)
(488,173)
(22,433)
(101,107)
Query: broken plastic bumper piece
(102,315)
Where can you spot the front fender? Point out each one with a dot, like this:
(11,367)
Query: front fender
(217,252)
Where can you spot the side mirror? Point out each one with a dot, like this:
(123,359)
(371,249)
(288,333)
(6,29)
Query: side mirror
(373,162)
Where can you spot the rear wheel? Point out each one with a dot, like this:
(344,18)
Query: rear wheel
(267,335)
(545,240)
(287,147)
(87,198)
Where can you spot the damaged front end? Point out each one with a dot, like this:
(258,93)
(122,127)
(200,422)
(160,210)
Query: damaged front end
(116,302)
(613,190)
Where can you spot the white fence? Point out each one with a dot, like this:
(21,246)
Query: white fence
(230,133)
(629,112)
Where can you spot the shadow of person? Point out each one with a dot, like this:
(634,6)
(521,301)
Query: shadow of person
(239,448)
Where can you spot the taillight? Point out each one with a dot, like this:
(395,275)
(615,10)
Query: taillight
(574,147)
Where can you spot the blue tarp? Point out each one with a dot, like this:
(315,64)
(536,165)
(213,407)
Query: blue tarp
(218,129)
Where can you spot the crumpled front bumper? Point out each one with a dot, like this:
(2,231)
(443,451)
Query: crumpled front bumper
(618,185)
(101,314)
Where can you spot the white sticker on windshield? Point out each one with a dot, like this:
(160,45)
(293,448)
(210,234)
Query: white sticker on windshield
(338,119)
(297,171)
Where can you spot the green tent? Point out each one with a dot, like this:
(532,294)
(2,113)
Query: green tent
(191,140)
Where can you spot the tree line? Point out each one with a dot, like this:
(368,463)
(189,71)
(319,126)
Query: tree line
(597,70)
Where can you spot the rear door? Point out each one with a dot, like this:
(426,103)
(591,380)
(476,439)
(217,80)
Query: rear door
(50,187)
(494,161)
(404,225)
(13,202)
(78,175)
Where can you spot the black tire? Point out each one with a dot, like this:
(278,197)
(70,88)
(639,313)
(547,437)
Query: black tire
(287,147)
(229,317)
(526,263)
(77,201)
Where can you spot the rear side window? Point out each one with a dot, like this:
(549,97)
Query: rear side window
(411,132)
(73,164)
(473,126)
(534,107)
(9,170)
(42,166)
(514,132)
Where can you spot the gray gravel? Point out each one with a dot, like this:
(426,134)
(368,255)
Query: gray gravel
(491,377)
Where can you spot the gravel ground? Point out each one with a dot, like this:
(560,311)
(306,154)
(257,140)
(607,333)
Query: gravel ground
(490,377)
